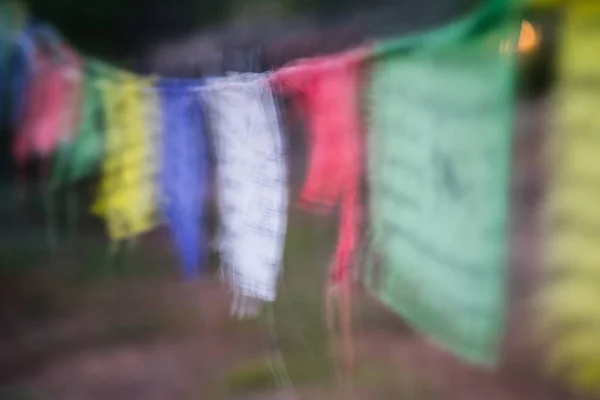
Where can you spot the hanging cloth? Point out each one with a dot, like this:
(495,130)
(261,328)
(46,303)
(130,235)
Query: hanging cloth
(440,121)
(12,19)
(326,92)
(183,172)
(72,78)
(251,182)
(21,70)
(127,197)
(40,111)
(80,155)
(71,112)
(52,104)
(50,108)
(79,152)
(27,70)
(570,292)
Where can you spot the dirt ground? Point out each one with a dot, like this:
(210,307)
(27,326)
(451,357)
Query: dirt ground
(79,325)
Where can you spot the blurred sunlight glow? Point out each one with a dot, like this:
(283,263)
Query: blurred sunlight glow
(529,39)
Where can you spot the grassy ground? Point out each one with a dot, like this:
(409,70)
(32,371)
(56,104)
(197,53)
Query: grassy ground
(75,306)
(77,325)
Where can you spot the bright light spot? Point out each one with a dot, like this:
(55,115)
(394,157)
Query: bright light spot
(529,39)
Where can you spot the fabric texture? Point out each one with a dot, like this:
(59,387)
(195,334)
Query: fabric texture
(38,119)
(12,24)
(21,69)
(251,182)
(570,291)
(80,155)
(52,104)
(183,176)
(127,193)
(439,150)
(72,79)
(326,93)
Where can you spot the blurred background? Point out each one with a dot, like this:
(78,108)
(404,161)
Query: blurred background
(79,324)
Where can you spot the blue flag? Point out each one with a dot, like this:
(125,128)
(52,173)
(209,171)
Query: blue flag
(184,169)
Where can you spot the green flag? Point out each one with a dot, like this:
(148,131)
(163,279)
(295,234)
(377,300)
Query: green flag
(79,158)
(439,151)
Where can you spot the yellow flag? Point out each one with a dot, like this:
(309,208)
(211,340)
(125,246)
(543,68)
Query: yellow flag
(127,194)
(570,299)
